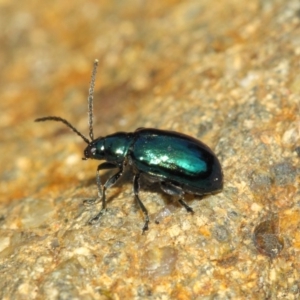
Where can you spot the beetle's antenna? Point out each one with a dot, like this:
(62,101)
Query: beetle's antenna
(59,119)
(90,99)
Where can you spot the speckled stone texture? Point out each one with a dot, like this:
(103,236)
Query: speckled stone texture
(226,73)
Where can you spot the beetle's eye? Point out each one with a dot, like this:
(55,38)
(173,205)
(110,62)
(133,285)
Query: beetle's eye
(93,151)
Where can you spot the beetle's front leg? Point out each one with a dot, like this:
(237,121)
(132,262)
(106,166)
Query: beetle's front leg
(103,166)
(110,182)
(136,189)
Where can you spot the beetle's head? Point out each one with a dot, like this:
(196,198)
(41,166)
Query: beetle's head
(94,150)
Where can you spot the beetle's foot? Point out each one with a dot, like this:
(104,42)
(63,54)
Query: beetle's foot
(188,208)
(146,227)
(96,219)
(90,201)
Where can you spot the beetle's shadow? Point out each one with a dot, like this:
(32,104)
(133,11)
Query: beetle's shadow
(145,185)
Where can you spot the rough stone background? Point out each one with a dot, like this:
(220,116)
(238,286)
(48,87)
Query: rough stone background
(226,72)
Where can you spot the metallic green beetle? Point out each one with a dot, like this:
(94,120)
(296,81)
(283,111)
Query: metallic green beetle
(179,163)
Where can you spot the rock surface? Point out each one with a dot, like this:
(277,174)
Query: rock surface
(227,74)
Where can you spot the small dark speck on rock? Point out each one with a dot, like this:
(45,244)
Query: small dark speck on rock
(232,214)
(228,261)
(297,150)
(118,245)
(260,182)
(203,128)
(284,173)
(266,238)
(220,233)
(295,289)
(54,243)
(107,294)
(144,291)
(111,258)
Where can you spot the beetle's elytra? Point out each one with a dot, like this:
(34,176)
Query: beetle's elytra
(177,161)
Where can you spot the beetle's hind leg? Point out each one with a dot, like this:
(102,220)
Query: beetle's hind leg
(173,190)
(136,189)
(102,192)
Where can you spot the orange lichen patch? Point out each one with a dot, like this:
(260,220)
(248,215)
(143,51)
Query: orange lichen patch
(205,231)
(203,288)
(289,221)
(269,137)
(181,292)
(122,288)
(296,240)
(287,114)
(228,260)
(283,197)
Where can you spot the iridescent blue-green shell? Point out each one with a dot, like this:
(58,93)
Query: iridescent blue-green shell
(177,158)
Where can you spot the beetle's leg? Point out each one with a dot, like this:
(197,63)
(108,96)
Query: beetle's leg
(136,189)
(173,190)
(103,166)
(110,182)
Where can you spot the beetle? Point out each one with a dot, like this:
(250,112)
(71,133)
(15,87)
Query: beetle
(179,163)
